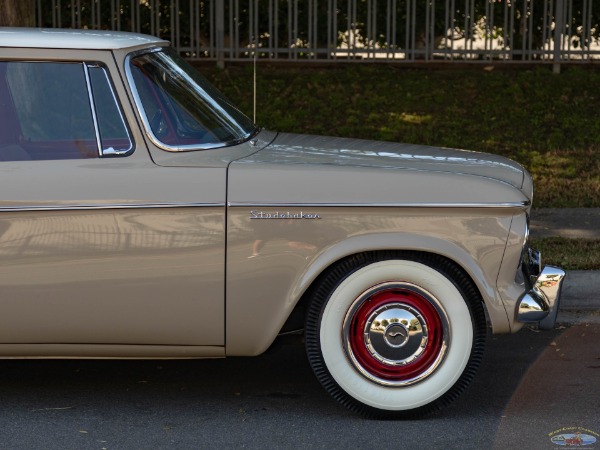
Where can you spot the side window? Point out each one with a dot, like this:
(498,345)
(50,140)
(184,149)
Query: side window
(55,110)
(114,136)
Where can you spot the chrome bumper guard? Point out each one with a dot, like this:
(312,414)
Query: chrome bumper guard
(540,304)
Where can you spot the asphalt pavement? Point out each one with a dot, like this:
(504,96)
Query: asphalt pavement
(532,386)
(581,289)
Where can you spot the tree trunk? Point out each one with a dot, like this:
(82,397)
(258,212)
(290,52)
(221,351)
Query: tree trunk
(17,13)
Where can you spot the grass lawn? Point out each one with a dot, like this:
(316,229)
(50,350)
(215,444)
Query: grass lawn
(549,123)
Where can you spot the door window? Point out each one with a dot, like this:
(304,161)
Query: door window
(55,110)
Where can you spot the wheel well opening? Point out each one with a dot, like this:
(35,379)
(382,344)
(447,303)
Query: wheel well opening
(296,319)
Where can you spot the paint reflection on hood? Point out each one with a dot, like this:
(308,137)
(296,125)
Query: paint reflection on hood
(306,149)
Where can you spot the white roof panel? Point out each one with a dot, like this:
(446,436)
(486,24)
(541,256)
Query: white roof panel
(74,39)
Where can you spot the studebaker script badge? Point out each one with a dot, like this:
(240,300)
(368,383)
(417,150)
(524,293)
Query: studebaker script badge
(254,214)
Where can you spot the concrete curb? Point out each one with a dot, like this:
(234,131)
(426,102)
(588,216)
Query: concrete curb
(580,302)
(581,290)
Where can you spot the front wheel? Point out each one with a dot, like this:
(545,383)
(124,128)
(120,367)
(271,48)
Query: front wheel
(395,335)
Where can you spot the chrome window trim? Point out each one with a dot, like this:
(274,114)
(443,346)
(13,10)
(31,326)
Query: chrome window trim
(99,206)
(144,118)
(510,205)
(129,151)
(88,83)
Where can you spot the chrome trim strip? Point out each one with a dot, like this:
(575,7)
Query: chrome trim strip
(519,205)
(88,82)
(92,206)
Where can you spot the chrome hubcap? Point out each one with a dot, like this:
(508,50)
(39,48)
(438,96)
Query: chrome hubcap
(396,334)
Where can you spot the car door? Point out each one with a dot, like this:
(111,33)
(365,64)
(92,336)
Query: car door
(99,245)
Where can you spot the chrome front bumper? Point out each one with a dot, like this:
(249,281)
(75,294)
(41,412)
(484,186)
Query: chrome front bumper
(539,304)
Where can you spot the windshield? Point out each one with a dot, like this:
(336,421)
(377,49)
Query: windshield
(180,108)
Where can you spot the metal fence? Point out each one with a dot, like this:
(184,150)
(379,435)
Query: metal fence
(350,30)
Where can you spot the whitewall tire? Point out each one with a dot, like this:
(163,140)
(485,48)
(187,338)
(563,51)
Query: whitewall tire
(395,335)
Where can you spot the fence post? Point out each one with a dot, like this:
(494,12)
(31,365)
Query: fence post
(559,22)
(220,33)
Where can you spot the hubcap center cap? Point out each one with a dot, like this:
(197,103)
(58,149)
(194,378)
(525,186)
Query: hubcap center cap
(395,334)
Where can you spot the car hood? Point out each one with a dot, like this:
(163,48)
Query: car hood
(333,166)
(317,150)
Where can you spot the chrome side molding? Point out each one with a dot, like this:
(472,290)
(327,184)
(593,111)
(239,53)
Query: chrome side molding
(540,304)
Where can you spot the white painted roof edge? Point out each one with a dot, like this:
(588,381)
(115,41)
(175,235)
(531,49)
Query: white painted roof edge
(73,39)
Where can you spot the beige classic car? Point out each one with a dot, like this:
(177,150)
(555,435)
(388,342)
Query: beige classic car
(143,216)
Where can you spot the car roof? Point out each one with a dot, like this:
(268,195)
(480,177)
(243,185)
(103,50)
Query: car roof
(73,39)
